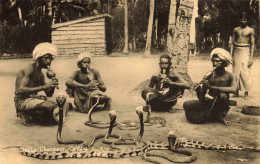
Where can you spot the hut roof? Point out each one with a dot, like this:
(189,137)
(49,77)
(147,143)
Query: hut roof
(80,20)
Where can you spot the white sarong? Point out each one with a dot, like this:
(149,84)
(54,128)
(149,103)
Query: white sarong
(240,66)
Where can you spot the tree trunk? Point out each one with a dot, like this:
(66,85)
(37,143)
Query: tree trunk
(49,7)
(149,30)
(156,31)
(181,39)
(108,6)
(126,29)
(20,15)
(178,46)
(171,25)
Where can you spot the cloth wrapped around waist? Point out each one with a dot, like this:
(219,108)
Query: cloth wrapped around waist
(82,97)
(29,102)
(241,45)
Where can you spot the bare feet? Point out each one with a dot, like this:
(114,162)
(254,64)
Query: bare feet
(172,110)
(27,120)
(223,121)
(246,95)
(236,94)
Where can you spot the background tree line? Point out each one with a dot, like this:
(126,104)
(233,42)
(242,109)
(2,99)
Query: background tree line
(25,23)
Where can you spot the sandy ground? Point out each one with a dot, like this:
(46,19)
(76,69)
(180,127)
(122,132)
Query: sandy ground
(122,75)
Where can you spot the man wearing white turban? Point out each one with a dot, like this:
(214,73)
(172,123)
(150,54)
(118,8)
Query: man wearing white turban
(213,94)
(86,83)
(29,81)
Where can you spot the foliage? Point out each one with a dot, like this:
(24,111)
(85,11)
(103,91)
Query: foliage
(218,18)
(214,26)
(138,21)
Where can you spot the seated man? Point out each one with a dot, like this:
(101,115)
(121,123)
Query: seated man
(86,83)
(219,83)
(29,81)
(164,89)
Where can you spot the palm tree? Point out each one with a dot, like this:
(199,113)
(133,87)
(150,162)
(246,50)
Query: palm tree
(180,38)
(149,30)
(126,29)
(171,25)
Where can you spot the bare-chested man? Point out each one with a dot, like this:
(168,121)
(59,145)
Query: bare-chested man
(242,50)
(165,88)
(29,81)
(218,83)
(86,83)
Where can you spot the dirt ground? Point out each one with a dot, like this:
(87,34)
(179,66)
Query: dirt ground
(122,75)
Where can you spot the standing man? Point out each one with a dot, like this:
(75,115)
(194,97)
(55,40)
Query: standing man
(165,88)
(86,83)
(242,50)
(29,81)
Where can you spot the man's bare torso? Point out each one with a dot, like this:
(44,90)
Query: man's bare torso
(242,35)
(220,81)
(36,77)
(85,78)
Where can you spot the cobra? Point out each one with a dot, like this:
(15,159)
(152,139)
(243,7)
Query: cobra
(80,151)
(89,152)
(153,120)
(149,121)
(61,99)
(97,124)
(137,142)
(107,137)
(143,147)
(160,145)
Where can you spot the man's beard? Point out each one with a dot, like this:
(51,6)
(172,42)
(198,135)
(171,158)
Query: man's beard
(166,72)
(45,66)
(84,69)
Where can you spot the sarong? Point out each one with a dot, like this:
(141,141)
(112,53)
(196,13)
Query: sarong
(240,66)
(83,98)
(161,102)
(29,105)
(199,112)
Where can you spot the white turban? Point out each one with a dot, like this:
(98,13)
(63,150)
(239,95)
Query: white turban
(83,55)
(222,54)
(43,49)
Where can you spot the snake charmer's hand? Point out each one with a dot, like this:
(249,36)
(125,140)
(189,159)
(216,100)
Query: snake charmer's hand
(92,85)
(166,81)
(147,97)
(205,82)
(51,84)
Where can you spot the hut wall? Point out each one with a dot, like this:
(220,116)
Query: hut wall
(84,36)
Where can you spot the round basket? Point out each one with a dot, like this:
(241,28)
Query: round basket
(251,110)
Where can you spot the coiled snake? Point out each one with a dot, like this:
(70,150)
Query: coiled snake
(175,142)
(137,142)
(140,147)
(97,124)
(149,121)
(143,147)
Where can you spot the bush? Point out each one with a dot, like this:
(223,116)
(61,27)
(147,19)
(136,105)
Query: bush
(17,39)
